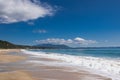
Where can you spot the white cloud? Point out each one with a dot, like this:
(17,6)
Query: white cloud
(75,41)
(23,10)
(40,31)
(79,40)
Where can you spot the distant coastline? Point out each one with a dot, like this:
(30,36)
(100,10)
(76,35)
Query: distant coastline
(9,45)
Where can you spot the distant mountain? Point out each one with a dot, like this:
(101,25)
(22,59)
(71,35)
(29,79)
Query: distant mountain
(8,45)
(61,46)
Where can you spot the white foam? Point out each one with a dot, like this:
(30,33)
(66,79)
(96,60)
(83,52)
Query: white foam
(108,66)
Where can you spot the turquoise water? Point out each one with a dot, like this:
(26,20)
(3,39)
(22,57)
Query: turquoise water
(103,60)
(106,53)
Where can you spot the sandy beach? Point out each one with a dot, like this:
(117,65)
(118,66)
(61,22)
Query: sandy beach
(17,75)
(5,58)
(12,75)
(18,66)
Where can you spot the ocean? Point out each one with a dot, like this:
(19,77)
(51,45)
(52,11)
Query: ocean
(104,61)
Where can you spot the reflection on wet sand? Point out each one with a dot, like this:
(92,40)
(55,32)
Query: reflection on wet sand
(28,70)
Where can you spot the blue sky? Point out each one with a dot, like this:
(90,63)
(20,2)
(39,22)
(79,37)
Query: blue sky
(89,20)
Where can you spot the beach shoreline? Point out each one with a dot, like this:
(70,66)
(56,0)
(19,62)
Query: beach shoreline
(33,71)
(6,58)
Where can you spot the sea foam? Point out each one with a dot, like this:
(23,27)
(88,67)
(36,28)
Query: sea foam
(110,67)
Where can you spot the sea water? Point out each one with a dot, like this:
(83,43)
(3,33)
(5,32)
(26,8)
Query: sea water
(101,60)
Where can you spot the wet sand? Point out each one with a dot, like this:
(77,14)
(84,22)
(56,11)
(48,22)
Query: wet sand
(12,75)
(55,72)
(46,69)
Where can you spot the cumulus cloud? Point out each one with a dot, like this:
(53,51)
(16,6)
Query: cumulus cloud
(23,10)
(76,40)
(79,40)
(40,31)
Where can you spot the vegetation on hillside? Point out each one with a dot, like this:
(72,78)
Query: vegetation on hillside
(8,45)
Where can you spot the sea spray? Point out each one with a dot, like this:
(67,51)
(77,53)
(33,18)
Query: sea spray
(111,67)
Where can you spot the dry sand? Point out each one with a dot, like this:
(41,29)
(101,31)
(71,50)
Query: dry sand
(5,58)
(8,50)
(17,75)
(10,58)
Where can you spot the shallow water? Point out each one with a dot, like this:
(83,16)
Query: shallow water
(103,61)
(43,68)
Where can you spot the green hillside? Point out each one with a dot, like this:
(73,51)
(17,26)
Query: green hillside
(8,45)
(5,45)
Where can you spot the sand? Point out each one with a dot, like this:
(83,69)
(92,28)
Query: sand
(9,58)
(3,51)
(50,72)
(10,70)
(12,75)
(5,57)
(17,75)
